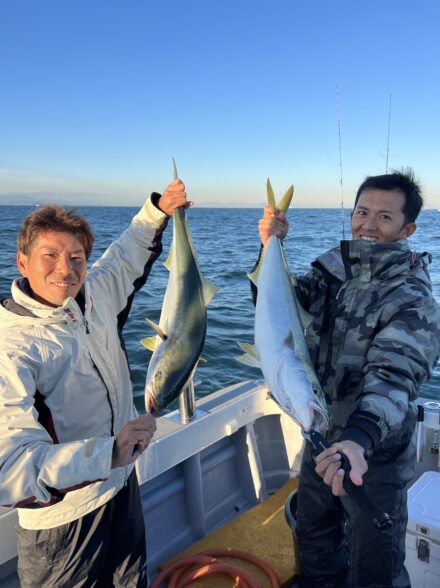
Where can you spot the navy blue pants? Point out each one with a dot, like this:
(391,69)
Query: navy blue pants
(102,549)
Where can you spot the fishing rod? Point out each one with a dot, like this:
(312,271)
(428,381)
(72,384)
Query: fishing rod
(388,136)
(338,118)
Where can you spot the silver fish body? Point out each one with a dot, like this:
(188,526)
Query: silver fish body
(280,342)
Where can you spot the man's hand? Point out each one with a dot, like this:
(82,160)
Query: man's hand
(173,197)
(328,465)
(273,222)
(133,440)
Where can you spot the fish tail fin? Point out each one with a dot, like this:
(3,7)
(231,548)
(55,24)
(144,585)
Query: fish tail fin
(286,200)
(270,195)
(175,174)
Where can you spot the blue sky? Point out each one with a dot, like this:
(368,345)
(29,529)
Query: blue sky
(97,96)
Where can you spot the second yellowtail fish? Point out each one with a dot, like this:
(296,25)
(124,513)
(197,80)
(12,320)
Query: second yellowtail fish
(182,328)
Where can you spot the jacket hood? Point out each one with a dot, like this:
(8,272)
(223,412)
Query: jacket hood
(359,258)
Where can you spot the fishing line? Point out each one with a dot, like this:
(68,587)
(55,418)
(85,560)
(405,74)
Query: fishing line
(338,118)
(388,136)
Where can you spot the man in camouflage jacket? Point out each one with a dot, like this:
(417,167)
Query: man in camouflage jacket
(374,339)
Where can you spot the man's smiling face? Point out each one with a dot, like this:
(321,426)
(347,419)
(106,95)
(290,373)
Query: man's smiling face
(56,267)
(378,216)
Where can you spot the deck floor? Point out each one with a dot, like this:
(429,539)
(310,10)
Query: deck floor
(262,531)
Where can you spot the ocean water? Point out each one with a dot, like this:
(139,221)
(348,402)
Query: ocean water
(227,245)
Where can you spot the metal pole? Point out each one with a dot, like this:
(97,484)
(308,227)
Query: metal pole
(187,403)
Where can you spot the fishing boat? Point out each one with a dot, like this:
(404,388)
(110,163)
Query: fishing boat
(222,478)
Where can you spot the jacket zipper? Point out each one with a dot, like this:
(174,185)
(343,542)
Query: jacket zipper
(341,290)
(86,324)
(330,329)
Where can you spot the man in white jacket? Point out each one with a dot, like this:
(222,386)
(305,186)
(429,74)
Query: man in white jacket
(69,432)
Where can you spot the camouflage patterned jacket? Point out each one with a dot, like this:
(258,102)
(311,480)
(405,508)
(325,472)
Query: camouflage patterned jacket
(374,339)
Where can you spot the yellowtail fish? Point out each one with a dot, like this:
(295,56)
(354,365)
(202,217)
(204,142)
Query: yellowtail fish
(180,335)
(280,349)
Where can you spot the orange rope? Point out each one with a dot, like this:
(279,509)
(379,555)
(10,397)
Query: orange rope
(187,570)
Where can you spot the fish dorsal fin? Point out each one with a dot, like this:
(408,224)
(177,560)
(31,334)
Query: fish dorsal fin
(157,329)
(149,343)
(209,290)
(253,276)
(169,259)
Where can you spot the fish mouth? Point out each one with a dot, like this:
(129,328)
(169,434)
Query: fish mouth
(151,404)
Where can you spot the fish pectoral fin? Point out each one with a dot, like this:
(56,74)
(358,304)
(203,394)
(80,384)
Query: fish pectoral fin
(251,357)
(209,291)
(149,343)
(157,329)
(202,361)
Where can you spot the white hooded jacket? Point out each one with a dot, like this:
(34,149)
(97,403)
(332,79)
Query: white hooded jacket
(65,388)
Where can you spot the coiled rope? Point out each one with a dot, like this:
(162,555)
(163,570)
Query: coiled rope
(189,569)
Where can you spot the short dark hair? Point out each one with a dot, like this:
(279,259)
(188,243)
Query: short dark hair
(398,180)
(54,218)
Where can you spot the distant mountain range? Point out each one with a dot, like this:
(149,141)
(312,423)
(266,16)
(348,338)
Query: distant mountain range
(28,200)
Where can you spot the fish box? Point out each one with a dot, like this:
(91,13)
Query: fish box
(423,532)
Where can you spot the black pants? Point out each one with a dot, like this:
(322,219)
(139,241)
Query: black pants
(102,549)
(338,546)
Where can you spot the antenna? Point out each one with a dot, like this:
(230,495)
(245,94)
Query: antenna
(388,137)
(338,117)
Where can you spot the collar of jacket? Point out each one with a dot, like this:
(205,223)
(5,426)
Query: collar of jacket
(69,312)
(365,260)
